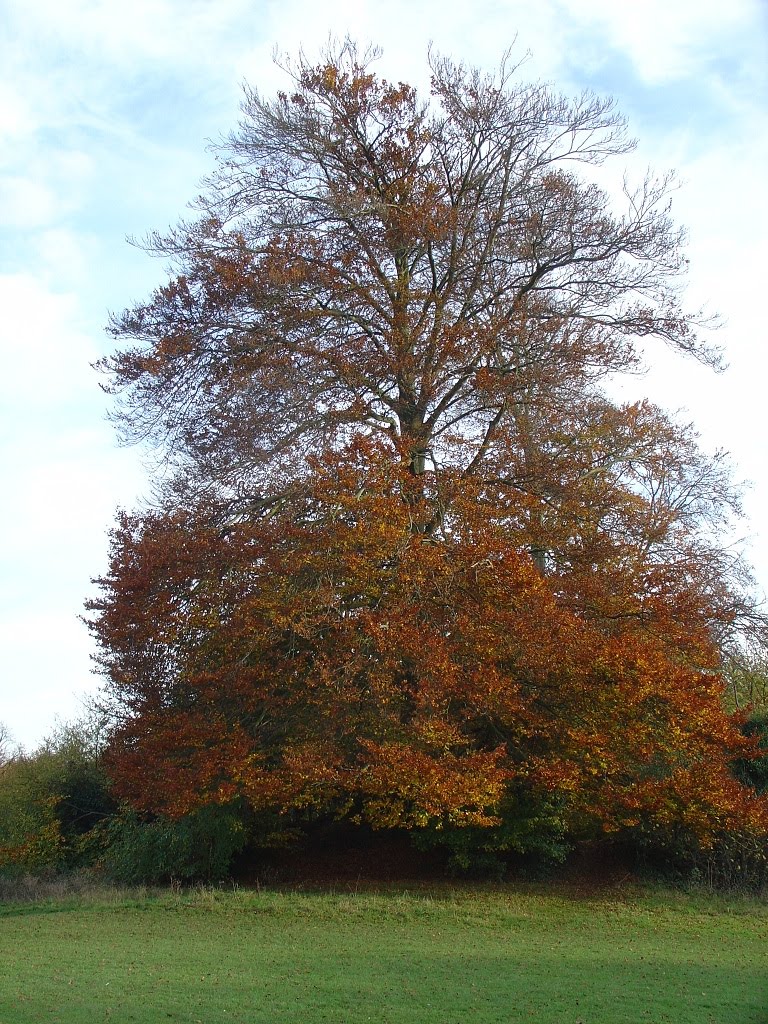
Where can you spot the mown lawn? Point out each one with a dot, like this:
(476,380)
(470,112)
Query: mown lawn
(453,957)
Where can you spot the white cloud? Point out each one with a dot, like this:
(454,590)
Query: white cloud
(42,344)
(64,256)
(57,458)
(62,479)
(669,39)
(126,35)
(15,119)
(25,203)
(45,666)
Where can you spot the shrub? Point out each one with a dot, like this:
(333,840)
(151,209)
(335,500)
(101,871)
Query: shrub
(531,833)
(51,800)
(199,846)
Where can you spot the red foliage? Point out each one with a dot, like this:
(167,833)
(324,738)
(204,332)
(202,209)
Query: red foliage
(328,656)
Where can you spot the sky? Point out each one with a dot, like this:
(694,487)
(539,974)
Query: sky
(106,110)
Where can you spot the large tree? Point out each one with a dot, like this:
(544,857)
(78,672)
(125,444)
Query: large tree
(409,558)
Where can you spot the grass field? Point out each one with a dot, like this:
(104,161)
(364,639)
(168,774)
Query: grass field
(442,957)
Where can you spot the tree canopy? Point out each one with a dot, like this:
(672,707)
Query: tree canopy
(410,563)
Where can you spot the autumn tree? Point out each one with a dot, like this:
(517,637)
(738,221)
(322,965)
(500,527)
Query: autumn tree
(409,561)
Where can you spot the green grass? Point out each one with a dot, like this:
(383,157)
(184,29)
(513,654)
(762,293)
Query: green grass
(446,957)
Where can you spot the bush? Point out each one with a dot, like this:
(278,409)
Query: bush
(51,800)
(736,861)
(199,846)
(531,834)
(731,860)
